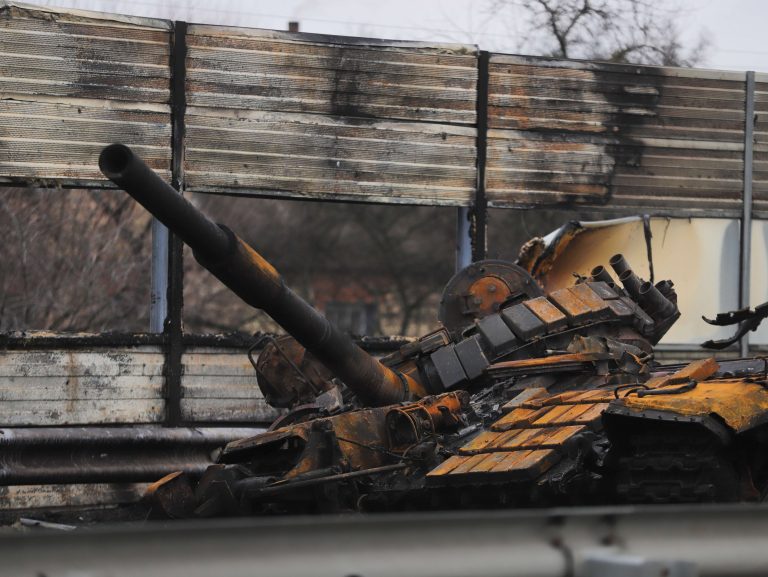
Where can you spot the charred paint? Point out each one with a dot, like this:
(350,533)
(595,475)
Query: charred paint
(568,133)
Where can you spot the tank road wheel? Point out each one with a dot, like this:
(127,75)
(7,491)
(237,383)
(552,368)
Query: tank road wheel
(673,463)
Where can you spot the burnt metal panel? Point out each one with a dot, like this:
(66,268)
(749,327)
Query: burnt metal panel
(60,495)
(497,334)
(219,385)
(472,357)
(614,136)
(71,82)
(604,291)
(571,305)
(760,146)
(79,387)
(448,367)
(309,116)
(123,384)
(552,316)
(250,69)
(620,308)
(523,322)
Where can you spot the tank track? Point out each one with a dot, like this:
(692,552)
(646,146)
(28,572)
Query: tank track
(673,465)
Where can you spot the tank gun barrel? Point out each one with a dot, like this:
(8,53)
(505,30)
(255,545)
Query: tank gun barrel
(244,271)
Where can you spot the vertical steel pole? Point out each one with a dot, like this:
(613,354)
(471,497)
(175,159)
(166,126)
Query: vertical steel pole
(173,328)
(463,238)
(745,252)
(158,296)
(480,208)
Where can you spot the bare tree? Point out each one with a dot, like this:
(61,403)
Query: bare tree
(398,257)
(73,261)
(636,31)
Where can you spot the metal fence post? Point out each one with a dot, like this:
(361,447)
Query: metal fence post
(745,251)
(173,323)
(463,238)
(480,207)
(158,295)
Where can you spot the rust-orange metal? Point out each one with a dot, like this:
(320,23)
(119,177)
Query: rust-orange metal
(570,304)
(738,402)
(487,294)
(547,312)
(590,298)
(553,361)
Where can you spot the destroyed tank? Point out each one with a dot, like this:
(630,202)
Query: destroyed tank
(518,399)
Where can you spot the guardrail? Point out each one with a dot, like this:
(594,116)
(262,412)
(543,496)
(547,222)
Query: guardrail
(618,541)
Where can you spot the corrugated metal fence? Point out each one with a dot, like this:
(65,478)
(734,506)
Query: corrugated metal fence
(299,115)
(623,136)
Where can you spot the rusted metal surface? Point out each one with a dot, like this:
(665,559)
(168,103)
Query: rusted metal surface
(319,451)
(141,453)
(574,309)
(358,119)
(480,289)
(497,466)
(741,405)
(172,495)
(615,136)
(69,81)
(697,370)
(288,374)
(696,391)
(548,313)
(550,363)
(411,424)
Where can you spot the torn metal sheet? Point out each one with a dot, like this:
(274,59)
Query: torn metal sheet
(701,255)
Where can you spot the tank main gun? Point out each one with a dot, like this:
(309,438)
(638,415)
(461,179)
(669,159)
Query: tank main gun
(249,275)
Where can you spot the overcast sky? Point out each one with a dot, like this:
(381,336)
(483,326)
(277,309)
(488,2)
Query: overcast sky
(734,27)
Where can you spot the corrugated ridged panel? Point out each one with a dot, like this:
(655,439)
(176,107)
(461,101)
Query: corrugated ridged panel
(90,495)
(325,117)
(219,385)
(98,386)
(760,158)
(315,156)
(72,82)
(618,136)
(79,387)
(268,70)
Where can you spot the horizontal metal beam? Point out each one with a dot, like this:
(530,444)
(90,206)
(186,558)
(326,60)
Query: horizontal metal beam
(108,454)
(704,540)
